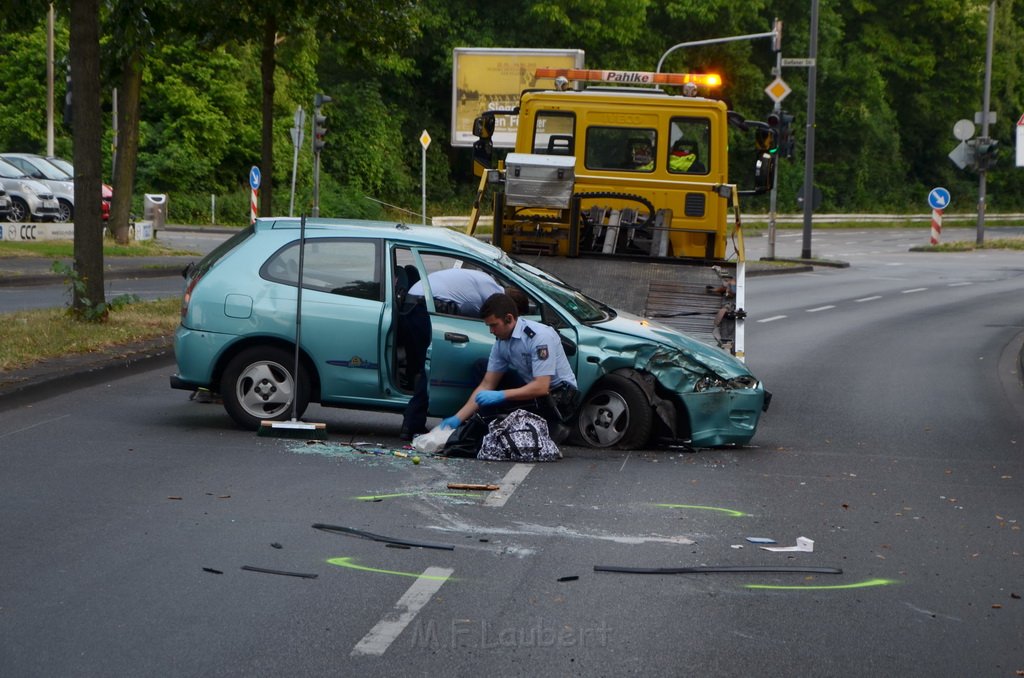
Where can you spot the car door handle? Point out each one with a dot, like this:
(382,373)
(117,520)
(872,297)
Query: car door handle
(456,338)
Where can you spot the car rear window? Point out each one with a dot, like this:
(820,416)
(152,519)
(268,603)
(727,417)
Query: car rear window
(339,266)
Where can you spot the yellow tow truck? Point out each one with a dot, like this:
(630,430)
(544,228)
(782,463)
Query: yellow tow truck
(630,171)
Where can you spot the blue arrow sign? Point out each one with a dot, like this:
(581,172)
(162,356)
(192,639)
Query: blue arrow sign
(254,178)
(938,198)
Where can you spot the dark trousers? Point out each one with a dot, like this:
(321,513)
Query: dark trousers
(555,408)
(414,332)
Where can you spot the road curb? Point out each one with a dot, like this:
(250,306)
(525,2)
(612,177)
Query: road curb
(54,376)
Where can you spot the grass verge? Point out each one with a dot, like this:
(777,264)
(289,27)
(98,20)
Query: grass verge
(36,335)
(60,249)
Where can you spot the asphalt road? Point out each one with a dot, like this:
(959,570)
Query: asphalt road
(893,442)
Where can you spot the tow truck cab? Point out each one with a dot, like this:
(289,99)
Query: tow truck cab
(617,170)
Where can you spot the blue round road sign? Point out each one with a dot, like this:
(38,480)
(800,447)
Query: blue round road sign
(938,198)
(254,178)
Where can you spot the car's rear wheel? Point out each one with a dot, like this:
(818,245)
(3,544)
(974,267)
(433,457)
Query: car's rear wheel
(19,210)
(258,384)
(616,413)
(66,214)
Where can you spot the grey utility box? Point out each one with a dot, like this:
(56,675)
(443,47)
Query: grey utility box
(539,180)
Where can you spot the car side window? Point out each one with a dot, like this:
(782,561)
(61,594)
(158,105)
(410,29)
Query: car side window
(338,266)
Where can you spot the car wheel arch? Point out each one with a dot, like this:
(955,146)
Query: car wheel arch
(231,352)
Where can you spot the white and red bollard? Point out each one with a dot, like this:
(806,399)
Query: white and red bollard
(936,226)
(253,201)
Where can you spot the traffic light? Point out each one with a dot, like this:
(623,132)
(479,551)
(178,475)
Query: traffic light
(766,137)
(987,151)
(786,142)
(67,100)
(319,122)
(319,131)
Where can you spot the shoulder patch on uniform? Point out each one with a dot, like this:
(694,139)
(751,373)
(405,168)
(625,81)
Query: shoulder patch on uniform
(528,331)
(542,352)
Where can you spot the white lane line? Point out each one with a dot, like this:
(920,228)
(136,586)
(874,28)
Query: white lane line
(35,425)
(508,484)
(960,284)
(820,308)
(916,289)
(380,637)
(877,296)
(771,319)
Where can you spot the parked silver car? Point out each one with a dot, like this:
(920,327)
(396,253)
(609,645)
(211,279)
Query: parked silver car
(61,184)
(30,200)
(5,202)
(69,169)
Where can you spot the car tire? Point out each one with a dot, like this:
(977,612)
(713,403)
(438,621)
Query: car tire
(616,413)
(19,211)
(258,385)
(66,214)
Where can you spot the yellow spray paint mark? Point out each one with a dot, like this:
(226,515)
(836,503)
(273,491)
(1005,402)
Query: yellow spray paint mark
(836,587)
(372,497)
(350,564)
(729,512)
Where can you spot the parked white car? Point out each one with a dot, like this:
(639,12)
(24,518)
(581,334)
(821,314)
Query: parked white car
(61,184)
(5,202)
(30,200)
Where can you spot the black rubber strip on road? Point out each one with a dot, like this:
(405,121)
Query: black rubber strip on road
(381,538)
(284,573)
(702,569)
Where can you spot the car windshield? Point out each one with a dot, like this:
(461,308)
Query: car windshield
(63,165)
(48,170)
(9,171)
(582,307)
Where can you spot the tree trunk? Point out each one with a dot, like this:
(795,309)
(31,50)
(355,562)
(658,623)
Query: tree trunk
(267,64)
(87,134)
(127,145)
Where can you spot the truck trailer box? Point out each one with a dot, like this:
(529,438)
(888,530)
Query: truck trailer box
(539,180)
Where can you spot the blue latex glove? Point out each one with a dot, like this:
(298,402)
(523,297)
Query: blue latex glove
(451,422)
(486,398)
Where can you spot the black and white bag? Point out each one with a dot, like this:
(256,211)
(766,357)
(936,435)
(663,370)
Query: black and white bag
(521,436)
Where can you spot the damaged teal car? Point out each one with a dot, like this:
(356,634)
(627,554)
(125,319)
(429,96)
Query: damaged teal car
(639,382)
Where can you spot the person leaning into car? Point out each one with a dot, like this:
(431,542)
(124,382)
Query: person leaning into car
(527,369)
(456,291)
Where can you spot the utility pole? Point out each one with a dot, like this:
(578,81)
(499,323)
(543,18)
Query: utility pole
(985,106)
(49,81)
(812,93)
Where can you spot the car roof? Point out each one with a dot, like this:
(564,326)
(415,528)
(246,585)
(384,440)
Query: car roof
(436,236)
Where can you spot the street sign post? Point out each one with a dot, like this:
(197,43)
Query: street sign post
(938,200)
(297,135)
(424,142)
(254,184)
(1020,142)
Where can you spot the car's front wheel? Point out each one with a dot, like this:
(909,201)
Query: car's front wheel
(616,413)
(66,214)
(19,211)
(258,384)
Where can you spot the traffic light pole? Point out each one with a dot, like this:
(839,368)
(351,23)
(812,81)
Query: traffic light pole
(319,131)
(773,197)
(812,93)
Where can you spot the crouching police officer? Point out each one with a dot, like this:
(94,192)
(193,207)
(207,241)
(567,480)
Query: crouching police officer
(527,369)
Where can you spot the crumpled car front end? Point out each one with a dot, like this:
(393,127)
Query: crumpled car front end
(701,394)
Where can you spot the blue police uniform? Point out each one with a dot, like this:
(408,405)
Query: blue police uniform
(533,350)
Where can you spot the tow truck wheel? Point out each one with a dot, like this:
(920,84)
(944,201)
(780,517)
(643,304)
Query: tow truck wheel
(616,413)
(258,385)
